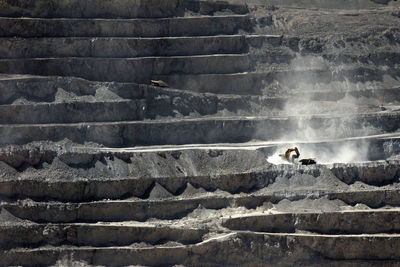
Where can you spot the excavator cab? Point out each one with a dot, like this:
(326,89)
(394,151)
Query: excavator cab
(290,156)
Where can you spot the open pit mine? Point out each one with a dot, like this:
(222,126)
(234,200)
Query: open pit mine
(153,133)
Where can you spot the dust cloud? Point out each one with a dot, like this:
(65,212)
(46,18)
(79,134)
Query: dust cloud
(323,119)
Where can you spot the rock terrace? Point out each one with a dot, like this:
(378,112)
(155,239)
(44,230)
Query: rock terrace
(100,168)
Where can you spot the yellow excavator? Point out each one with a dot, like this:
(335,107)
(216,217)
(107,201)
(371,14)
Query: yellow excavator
(159,83)
(292,158)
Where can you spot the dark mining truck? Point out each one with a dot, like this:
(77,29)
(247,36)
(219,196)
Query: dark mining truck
(100,167)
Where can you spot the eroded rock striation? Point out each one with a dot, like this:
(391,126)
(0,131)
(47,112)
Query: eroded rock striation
(100,168)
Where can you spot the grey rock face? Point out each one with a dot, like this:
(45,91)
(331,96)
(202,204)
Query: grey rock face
(105,9)
(100,168)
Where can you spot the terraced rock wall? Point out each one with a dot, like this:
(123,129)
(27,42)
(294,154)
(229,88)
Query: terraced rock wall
(100,168)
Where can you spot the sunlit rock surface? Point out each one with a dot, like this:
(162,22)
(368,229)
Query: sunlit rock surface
(100,168)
